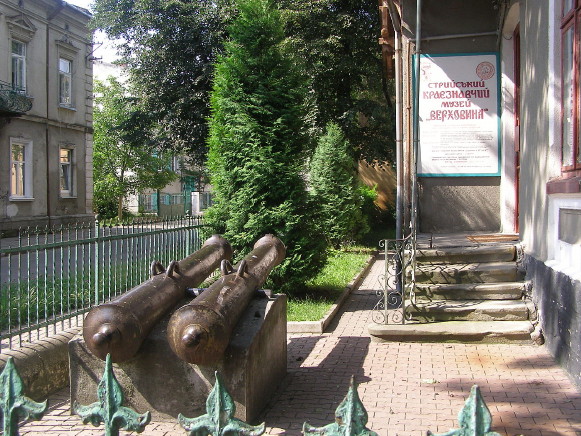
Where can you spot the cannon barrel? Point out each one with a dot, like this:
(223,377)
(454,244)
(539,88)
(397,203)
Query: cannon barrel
(120,326)
(200,331)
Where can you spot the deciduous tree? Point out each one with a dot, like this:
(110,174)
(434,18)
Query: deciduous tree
(336,42)
(124,160)
(169,48)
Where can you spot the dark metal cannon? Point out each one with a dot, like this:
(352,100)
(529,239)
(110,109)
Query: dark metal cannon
(199,332)
(120,326)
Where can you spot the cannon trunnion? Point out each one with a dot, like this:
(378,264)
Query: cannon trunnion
(200,331)
(120,326)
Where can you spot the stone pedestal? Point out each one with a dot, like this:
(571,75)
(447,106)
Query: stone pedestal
(156,380)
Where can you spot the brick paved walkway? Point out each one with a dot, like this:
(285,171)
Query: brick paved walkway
(406,388)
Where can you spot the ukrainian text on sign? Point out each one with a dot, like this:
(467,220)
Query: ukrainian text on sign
(458,110)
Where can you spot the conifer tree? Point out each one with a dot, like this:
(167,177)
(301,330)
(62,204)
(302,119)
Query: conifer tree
(335,188)
(257,143)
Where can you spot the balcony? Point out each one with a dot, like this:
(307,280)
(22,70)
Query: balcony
(13,100)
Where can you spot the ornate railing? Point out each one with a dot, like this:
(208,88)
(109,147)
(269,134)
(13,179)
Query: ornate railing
(398,282)
(13,99)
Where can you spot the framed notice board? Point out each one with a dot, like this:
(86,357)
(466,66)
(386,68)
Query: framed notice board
(459,115)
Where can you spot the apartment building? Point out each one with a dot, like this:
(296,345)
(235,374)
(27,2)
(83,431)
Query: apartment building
(46,77)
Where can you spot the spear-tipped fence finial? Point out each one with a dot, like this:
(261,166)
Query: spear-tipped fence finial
(350,418)
(219,418)
(109,410)
(14,406)
(474,418)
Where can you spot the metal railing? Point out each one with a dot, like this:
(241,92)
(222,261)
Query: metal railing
(48,277)
(398,294)
(13,99)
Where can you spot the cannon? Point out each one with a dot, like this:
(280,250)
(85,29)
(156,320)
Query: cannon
(120,326)
(200,331)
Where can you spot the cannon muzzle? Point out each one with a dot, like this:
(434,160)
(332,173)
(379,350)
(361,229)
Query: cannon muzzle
(200,331)
(120,326)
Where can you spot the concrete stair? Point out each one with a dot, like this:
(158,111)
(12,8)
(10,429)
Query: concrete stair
(492,272)
(471,291)
(465,294)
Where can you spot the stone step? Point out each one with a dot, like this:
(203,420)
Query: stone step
(454,331)
(492,253)
(471,310)
(472,291)
(492,272)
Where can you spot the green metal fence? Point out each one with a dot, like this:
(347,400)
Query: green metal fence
(49,277)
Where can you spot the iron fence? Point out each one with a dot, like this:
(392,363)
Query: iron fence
(49,277)
(398,294)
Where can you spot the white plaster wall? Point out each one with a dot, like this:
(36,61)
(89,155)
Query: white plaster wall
(508,171)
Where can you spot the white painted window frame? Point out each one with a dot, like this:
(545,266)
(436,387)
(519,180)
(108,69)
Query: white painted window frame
(21,62)
(71,191)
(28,169)
(65,76)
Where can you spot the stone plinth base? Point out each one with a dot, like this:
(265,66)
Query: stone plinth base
(156,380)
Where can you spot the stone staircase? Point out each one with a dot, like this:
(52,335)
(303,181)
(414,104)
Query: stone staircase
(466,294)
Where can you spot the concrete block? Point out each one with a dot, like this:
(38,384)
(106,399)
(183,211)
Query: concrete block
(43,366)
(156,380)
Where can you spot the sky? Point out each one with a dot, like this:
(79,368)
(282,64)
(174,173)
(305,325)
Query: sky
(104,48)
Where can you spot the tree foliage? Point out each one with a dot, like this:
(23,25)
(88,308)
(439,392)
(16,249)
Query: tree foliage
(123,163)
(336,44)
(257,141)
(335,187)
(169,48)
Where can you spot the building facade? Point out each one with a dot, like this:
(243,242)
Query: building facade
(45,114)
(494,124)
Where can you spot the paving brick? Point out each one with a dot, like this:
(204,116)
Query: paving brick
(407,388)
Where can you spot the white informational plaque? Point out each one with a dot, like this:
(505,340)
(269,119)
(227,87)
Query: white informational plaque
(459,115)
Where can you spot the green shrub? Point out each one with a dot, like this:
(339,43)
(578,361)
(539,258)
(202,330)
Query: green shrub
(335,187)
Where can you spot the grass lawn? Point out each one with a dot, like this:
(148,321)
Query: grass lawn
(313,301)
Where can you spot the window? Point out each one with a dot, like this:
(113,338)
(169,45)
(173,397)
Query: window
(66,172)
(570,97)
(65,82)
(19,65)
(20,169)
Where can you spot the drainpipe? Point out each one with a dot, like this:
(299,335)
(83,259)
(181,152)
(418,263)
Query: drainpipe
(47,133)
(396,22)
(49,183)
(416,120)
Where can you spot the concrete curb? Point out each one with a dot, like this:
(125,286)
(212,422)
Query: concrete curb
(43,365)
(319,326)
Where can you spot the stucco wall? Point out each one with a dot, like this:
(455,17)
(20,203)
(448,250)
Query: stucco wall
(458,204)
(540,136)
(383,178)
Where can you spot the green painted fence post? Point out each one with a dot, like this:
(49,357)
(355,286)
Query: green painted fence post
(13,404)
(109,410)
(350,418)
(219,418)
(474,418)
